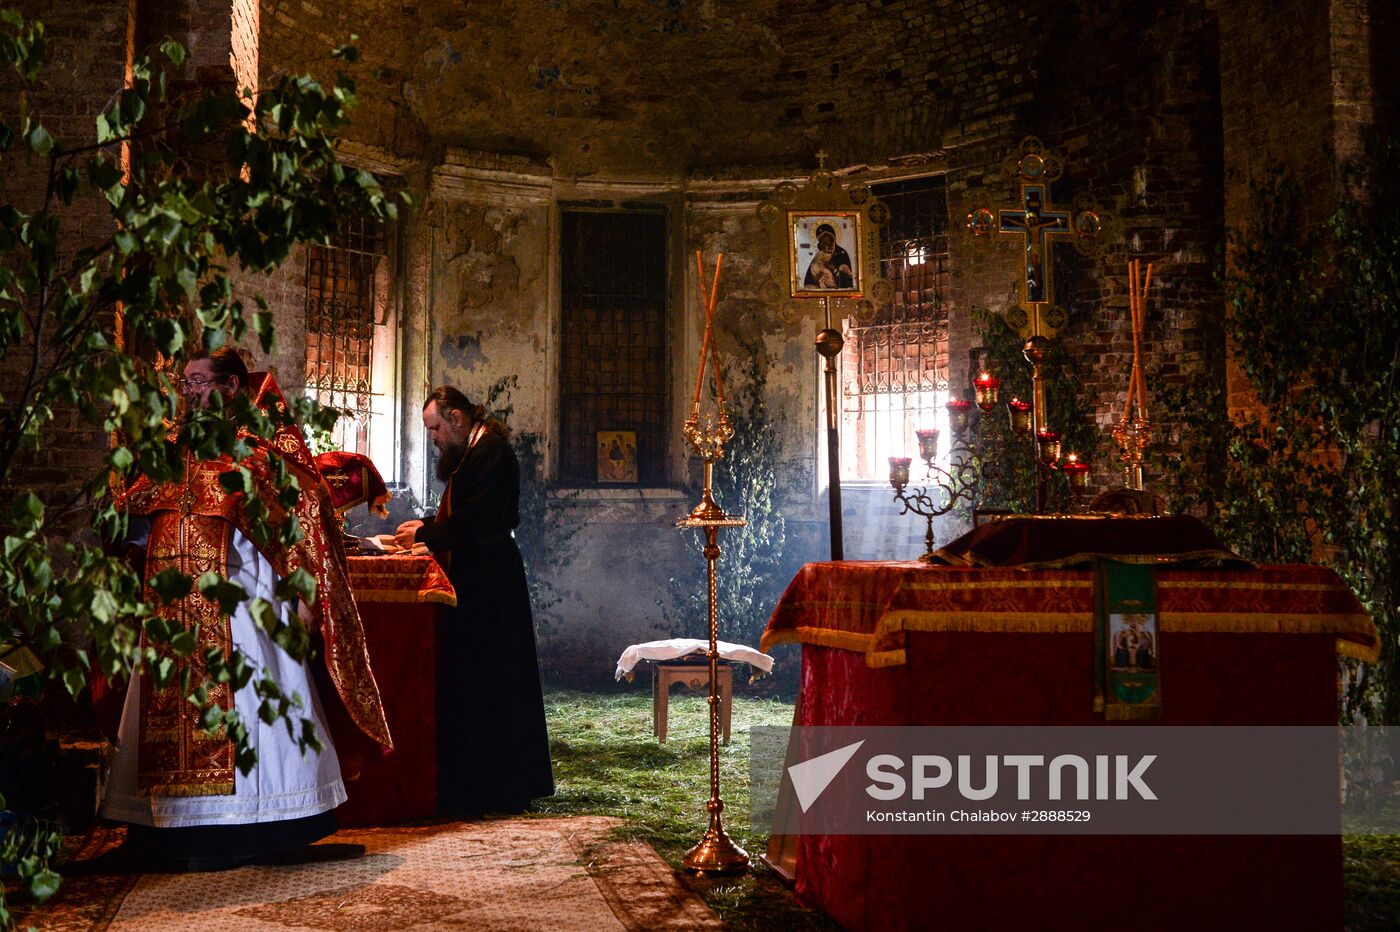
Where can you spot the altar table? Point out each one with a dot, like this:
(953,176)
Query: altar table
(913,644)
(398,598)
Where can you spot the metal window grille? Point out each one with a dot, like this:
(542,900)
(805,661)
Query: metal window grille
(342,304)
(613,374)
(897,370)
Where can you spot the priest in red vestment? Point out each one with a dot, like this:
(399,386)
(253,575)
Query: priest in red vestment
(187,805)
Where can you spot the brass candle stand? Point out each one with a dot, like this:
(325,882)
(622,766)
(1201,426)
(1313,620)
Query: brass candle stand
(715,853)
(969,472)
(945,488)
(1133,434)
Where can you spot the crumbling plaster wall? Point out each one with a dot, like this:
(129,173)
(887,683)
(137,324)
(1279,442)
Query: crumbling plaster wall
(1166,112)
(710,106)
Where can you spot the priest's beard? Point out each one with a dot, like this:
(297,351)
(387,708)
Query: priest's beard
(449,459)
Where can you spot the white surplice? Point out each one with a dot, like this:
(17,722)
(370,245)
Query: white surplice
(284,784)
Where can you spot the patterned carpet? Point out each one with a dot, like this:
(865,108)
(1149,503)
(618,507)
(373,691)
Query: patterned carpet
(514,874)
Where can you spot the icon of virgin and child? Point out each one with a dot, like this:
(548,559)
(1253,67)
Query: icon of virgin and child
(830,268)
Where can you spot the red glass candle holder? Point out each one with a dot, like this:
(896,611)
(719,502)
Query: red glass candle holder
(899,471)
(1049,443)
(1020,416)
(959,416)
(928,443)
(1077,473)
(987,388)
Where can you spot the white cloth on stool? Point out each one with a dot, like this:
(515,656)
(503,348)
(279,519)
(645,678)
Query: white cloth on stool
(672,648)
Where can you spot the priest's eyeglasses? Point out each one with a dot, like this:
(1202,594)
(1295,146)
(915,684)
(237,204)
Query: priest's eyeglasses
(198,384)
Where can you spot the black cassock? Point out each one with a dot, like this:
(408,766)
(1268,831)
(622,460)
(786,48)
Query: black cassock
(493,746)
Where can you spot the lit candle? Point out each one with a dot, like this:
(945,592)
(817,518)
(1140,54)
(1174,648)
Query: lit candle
(959,414)
(899,471)
(987,388)
(1049,442)
(1077,472)
(1020,415)
(928,443)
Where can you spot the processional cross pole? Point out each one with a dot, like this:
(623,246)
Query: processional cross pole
(1039,223)
(715,853)
(829,345)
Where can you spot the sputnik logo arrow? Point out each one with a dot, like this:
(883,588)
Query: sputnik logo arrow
(811,777)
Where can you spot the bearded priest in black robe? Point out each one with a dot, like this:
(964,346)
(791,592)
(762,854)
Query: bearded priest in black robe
(493,746)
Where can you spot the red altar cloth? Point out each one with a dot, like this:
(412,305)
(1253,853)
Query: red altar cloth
(912,644)
(397,597)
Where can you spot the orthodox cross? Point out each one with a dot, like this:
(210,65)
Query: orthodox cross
(1039,223)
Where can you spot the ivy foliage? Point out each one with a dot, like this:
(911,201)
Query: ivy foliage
(1306,471)
(549,519)
(214,184)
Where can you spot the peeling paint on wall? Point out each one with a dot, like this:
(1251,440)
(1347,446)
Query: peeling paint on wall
(463,352)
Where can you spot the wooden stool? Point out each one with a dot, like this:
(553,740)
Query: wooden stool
(695,676)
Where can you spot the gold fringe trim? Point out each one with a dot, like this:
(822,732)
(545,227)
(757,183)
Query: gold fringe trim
(987,622)
(886,658)
(1231,584)
(821,637)
(1005,584)
(1352,629)
(432,596)
(1360,652)
(1269,623)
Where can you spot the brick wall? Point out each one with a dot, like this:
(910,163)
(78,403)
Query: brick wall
(243,51)
(87,47)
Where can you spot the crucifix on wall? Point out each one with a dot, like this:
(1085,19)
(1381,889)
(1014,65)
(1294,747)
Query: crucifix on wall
(1038,223)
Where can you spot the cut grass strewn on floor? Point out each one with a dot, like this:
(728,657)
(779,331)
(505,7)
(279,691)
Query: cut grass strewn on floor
(1371,865)
(607,762)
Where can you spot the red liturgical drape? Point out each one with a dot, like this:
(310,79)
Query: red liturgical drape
(398,599)
(911,644)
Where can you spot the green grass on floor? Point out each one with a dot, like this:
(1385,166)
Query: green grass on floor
(1371,864)
(607,762)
